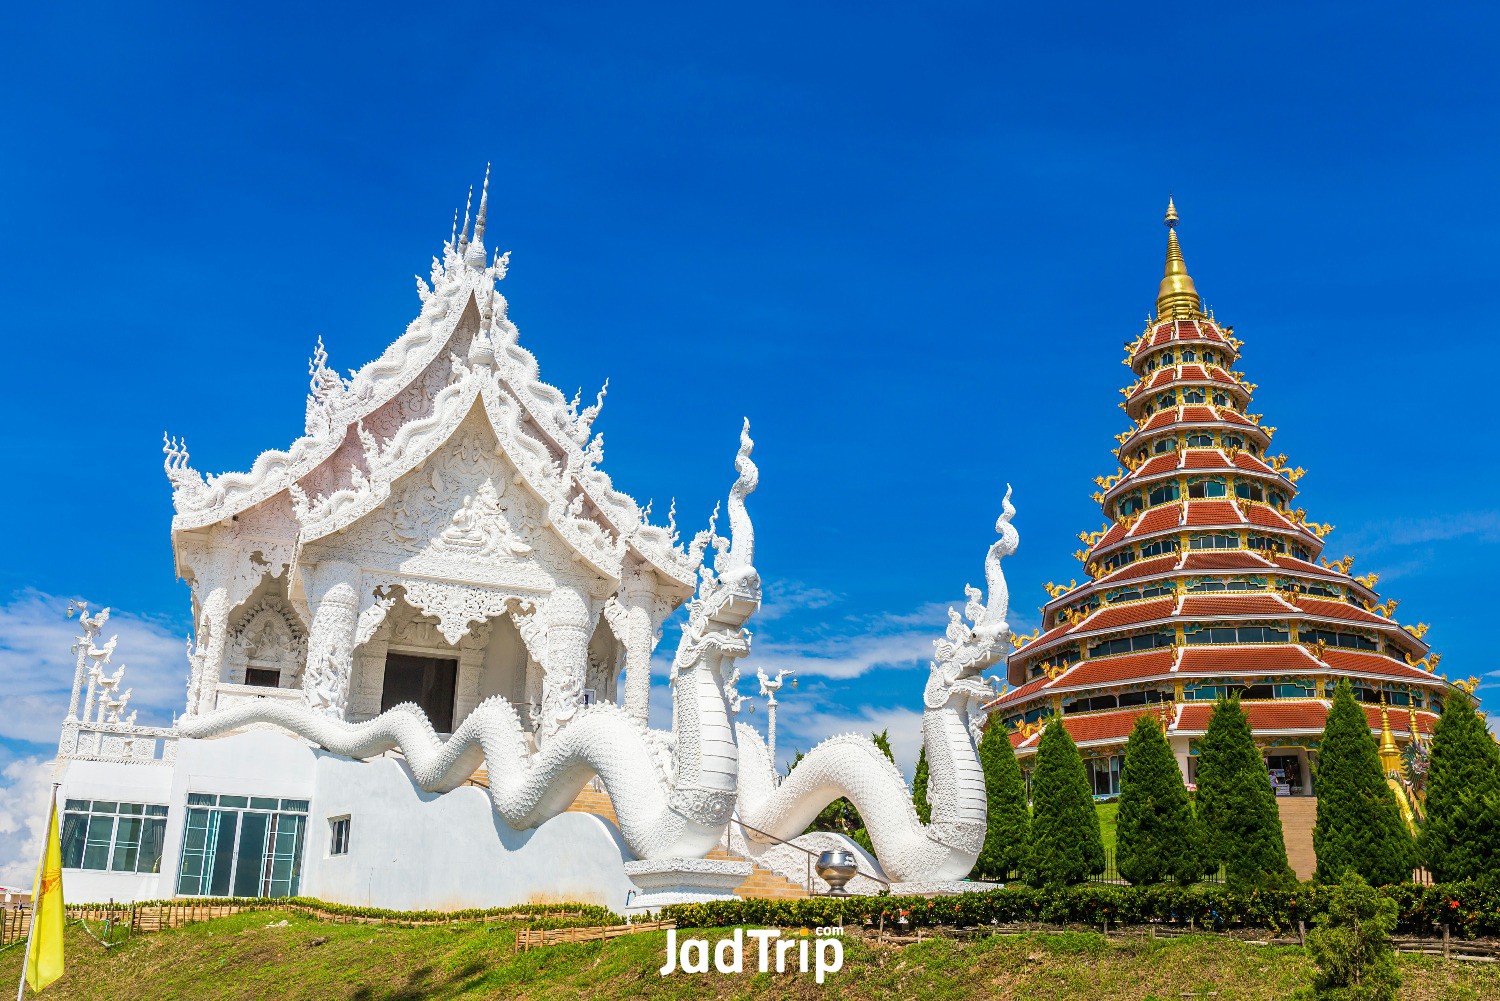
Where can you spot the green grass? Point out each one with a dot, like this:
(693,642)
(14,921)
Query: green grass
(252,955)
(1108,812)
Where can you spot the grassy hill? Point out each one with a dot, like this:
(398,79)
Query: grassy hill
(254,955)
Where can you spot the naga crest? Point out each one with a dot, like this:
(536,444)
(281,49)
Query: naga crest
(976,639)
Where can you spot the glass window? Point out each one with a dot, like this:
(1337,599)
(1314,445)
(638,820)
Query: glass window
(338,836)
(1211,486)
(1233,441)
(1221,398)
(113,836)
(1249,490)
(1164,493)
(1129,505)
(248,847)
(1200,440)
(1214,540)
(1160,547)
(1166,400)
(1188,354)
(1193,395)
(1104,774)
(1293,690)
(1164,445)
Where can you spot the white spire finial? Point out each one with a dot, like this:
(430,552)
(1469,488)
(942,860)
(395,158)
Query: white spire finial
(484,203)
(463,234)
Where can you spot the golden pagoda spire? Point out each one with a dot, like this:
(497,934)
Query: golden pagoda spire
(1177,295)
(1390,754)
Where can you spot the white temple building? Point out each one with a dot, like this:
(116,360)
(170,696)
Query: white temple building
(425,627)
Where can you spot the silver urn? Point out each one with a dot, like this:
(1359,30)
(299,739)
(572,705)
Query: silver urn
(836,868)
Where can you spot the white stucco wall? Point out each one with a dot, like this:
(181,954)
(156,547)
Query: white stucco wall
(408,850)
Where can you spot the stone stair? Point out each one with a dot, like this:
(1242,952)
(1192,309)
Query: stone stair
(762,884)
(1298,815)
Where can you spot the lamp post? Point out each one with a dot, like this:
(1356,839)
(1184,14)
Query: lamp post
(768,688)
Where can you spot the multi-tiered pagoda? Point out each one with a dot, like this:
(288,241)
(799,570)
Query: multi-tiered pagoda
(1206,578)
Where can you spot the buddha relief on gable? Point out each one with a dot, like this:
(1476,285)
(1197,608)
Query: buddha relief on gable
(267,645)
(460,516)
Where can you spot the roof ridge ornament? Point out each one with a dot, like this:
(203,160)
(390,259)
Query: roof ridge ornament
(1177,296)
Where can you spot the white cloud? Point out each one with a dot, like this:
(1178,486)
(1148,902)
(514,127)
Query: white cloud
(37,665)
(791,596)
(24,786)
(1483,526)
(805,721)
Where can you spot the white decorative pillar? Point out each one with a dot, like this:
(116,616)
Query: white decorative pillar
(635,616)
(211,642)
(470,667)
(334,599)
(569,620)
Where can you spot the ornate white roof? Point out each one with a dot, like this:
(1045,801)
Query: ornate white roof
(384,420)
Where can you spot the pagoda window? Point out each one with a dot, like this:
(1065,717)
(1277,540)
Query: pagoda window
(1194,396)
(1214,540)
(1249,490)
(1364,693)
(1205,693)
(1148,410)
(1200,440)
(1221,398)
(1188,354)
(1268,543)
(1319,589)
(1034,715)
(1160,547)
(1302,553)
(1232,440)
(1167,400)
(1129,505)
(1211,486)
(1130,644)
(1119,558)
(1141,698)
(1293,690)
(1337,638)
(1435,703)
(1164,445)
(1163,493)
(1088,705)
(1256,692)
(1129,594)
(1199,635)
(1210,357)
(1278,499)
(1398,698)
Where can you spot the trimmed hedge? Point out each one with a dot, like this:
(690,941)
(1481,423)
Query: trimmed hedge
(592,914)
(1471,908)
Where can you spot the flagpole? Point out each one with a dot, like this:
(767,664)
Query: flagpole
(40,862)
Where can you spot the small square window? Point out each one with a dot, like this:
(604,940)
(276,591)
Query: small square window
(338,836)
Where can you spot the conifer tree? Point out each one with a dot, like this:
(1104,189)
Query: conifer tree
(1461,836)
(1359,827)
(1157,836)
(919,788)
(1241,824)
(1066,845)
(1007,819)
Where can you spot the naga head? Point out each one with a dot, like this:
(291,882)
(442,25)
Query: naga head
(979,641)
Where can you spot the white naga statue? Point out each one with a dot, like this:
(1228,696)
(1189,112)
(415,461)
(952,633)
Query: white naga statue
(850,765)
(673,792)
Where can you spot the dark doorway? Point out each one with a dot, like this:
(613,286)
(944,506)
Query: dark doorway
(428,681)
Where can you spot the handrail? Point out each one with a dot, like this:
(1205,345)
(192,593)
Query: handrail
(808,852)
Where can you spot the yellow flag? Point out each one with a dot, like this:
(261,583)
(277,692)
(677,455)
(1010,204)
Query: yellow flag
(44,954)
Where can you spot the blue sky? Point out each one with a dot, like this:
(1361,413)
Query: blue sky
(908,242)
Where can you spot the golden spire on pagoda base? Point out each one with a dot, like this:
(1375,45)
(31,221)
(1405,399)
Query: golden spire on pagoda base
(1177,295)
(1390,754)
